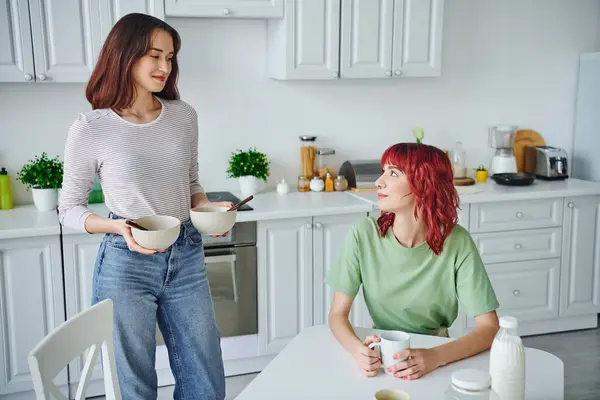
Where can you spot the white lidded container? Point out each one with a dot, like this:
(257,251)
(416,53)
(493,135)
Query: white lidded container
(470,384)
(507,361)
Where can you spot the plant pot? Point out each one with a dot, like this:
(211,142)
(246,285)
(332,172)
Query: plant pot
(481,176)
(45,199)
(250,185)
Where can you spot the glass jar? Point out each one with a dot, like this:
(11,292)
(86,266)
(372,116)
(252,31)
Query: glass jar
(303,184)
(324,162)
(329,183)
(341,183)
(470,384)
(307,155)
(459,162)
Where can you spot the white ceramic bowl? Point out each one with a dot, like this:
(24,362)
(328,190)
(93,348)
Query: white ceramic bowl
(162,232)
(213,220)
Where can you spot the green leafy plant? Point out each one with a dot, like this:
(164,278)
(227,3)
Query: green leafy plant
(42,173)
(251,162)
(480,168)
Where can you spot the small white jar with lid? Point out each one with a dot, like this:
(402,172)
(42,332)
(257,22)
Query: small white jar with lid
(317,184)
(470,384)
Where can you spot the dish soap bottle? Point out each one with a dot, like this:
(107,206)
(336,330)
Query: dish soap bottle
(507,361)
(6,202)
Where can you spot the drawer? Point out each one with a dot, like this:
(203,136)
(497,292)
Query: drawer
(511,215)
(525,245)
(526,290)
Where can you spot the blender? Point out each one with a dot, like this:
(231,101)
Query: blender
(502,138)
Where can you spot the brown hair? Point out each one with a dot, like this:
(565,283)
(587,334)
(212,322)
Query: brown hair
(429,174)
(111,83)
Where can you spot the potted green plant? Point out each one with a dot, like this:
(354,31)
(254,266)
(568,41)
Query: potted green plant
(44,176)
(481,174)
(251,168)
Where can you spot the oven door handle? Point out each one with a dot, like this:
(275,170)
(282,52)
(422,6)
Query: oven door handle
(229,258)
(225,258)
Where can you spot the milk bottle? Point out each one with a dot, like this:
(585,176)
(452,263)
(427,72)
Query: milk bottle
(507,361)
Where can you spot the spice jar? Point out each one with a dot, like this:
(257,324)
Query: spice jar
(303,184)
(317,184)
(328,183)
(341,183)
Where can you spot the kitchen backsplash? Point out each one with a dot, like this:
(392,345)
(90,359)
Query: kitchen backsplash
(491,74)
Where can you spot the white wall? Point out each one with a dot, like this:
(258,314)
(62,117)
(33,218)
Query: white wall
(492,74)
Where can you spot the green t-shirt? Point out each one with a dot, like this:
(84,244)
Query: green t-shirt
(412,289)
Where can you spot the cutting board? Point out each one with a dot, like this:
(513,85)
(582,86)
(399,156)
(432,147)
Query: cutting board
(523,139)
(463,181)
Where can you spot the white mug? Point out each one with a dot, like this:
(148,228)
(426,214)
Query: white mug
(391,343)
(389,394)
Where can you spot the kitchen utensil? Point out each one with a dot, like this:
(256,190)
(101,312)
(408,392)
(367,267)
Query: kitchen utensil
(241,203)
(463,181)
(502,138)
(526,138)
(514,179)
(133,224)
(161,231)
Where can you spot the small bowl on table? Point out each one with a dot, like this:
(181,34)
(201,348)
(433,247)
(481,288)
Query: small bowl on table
(211,220)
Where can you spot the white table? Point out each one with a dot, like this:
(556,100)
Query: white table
(315,366)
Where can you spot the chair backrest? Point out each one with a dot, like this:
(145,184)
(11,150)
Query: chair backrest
(91,329)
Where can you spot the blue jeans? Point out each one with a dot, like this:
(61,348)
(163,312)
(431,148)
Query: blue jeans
(171,288)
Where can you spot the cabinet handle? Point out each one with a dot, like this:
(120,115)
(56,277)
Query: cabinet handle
(28,77)
(516,292)
(571,205)
(226,11)
(318,225)
(398,72)
(42,77)
(335,74)
(517,246)
(308,226)
(519,214)
(388,73)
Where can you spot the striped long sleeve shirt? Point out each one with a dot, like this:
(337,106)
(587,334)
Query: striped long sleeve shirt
(144,169)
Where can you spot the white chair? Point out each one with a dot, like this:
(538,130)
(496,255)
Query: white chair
(91,329)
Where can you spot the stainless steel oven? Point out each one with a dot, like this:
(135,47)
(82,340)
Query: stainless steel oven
(231,266)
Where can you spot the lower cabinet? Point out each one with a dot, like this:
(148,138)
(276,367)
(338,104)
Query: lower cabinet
(31,306)
(293,257)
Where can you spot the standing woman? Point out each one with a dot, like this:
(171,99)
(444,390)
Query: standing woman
(143,143)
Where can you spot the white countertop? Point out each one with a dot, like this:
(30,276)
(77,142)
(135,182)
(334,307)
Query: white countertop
(315,366)
(491,191)
(27,221)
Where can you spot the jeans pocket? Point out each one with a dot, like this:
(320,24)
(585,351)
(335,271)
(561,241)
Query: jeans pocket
(116,241)
(193,236)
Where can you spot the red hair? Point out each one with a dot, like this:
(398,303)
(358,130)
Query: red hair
(111,82)
(429,174)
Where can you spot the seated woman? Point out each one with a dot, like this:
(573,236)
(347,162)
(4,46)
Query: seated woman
(415,264)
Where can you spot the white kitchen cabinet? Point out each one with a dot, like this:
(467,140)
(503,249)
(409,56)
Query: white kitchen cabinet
(366,38)
(293,258)
(580,275)
(79,257)
(331,39)
(31,306)
(16,54)
(285,281)
(225,8)
(329,234)
(417,44)
(59,41)
(305,44)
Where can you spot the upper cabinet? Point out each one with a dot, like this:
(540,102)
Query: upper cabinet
(373,38)
(16,55)
(225,8)
(59,41)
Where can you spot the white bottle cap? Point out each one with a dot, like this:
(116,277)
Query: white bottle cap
(471,379)
(508,322)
